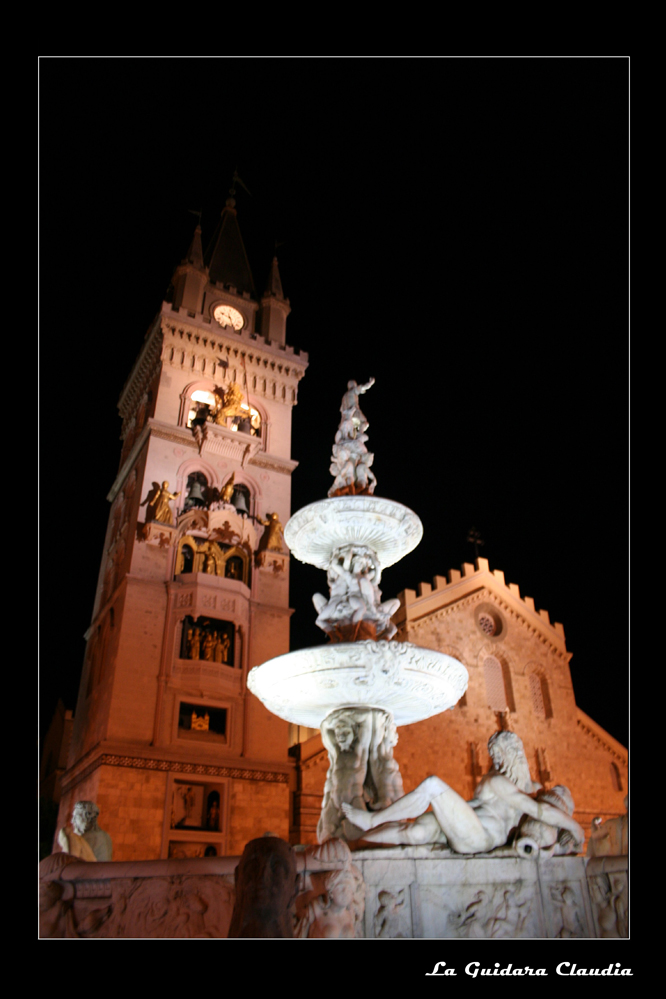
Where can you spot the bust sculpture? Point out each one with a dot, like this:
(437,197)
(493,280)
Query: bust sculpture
(82,837)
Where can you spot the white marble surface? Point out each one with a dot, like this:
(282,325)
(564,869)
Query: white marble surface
(423,892)
(390,529)
(412,683)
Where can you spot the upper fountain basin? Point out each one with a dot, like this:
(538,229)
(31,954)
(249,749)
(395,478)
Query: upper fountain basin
(390,529)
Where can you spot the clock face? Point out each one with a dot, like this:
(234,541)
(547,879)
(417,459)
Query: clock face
(228,316)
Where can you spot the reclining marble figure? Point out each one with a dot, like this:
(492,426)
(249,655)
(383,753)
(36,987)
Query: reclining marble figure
(475,826)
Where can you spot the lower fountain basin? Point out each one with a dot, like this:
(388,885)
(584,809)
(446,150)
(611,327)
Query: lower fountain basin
(412,683)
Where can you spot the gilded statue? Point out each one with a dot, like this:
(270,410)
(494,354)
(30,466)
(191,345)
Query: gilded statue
(222,648)
(228,404)
(209,646)
(228,489)
(159,504)
(271,540)
(210,565)
(193,643)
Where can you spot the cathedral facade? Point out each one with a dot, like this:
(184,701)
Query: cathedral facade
(519,679)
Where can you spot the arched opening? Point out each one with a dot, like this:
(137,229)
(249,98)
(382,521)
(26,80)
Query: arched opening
(498,685)
(196,491)
(226,408)
(540,696)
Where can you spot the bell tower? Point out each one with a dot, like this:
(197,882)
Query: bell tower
(193,585)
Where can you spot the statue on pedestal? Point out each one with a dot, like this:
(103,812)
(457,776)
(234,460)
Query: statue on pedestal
(476,826)
(272,539)
(158,508)
(228,402)
(351,460)
(227,490)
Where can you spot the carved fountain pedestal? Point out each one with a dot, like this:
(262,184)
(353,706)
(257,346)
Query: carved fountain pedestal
(361,686)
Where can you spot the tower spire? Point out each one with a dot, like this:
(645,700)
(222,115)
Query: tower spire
(225,257)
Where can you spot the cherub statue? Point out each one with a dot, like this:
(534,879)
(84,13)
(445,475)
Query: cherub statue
(353,575)
(333,903)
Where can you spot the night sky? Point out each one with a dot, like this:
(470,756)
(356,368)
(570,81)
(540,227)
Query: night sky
(454,227)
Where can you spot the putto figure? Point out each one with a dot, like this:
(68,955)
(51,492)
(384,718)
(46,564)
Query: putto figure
(333,901)
(355,598)
(476,826)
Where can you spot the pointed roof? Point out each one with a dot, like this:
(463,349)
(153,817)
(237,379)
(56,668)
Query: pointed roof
(225,257)
(194,255)
(274,284)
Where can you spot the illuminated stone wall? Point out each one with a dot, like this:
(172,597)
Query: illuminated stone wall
(515,658)
(257,807)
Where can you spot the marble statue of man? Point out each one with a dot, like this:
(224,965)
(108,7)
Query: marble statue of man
(353,421)
(82,837)
(347,735)
(475,826)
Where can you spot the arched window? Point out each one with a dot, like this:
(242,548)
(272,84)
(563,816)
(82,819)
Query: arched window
(616,779)
(242,498)
(539,695)
(187,548)
(234,413)
(495,688)
(196,491)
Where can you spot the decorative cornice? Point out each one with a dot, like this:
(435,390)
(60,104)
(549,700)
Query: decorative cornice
(283,465)
(596,732)
(143,370)
(269,376)
(486,593)
(172,766)
(203,328)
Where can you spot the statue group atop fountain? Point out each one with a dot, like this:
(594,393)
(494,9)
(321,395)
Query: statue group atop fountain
(351,460)
(359,686)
